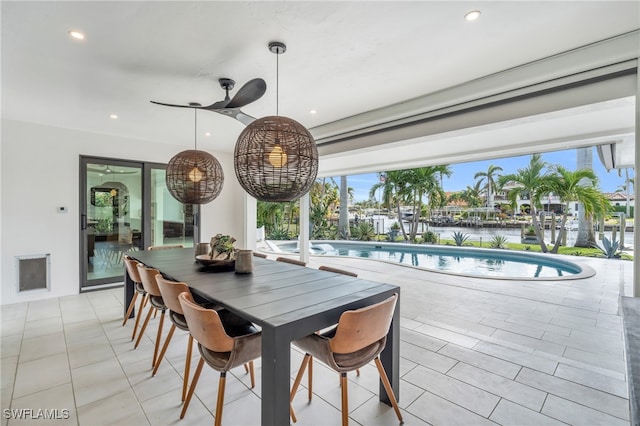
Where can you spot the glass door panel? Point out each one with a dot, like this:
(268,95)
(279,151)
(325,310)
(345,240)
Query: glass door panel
(171,221)
(111,220)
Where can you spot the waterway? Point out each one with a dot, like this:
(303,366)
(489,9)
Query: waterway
(382,224)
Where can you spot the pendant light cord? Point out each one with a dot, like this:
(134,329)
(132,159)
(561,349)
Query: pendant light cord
(195,129)
(277,82)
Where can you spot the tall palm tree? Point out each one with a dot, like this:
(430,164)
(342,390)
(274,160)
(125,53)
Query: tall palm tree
(490,179)
(570,186)
(392,184)
(470,195)
(343,220)
(586,236)
(531,181)
(421,183)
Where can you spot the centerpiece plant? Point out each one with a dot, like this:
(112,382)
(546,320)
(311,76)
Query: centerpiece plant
(222,247)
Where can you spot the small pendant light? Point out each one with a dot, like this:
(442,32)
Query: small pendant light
(193,176)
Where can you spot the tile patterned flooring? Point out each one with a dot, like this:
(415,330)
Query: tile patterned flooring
(473,352)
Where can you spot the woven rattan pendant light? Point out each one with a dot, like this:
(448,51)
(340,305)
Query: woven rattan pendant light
(193,176)
(275,157)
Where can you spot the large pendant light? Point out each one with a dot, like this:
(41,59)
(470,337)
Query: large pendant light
(193,176)
(275,157)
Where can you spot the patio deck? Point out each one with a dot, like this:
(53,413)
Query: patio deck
(474,351)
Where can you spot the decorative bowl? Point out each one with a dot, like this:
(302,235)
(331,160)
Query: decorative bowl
(205,260)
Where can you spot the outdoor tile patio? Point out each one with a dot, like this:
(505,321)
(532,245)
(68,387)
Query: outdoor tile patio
(473,351)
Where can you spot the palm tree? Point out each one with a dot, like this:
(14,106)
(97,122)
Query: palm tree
(392,184)
(470,195)
(531,182)
(421,183)
(586,237)
(570,186)
(343,220)
(490,177)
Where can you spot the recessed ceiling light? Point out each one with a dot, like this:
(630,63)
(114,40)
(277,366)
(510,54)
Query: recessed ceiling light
(76,34)
(113,116)
(313,111)
(207,134)
(472,16)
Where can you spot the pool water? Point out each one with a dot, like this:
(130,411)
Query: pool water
(458,260)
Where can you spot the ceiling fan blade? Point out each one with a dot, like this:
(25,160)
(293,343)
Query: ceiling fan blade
(173,105)
(250,92)
(218,105)
(237,114)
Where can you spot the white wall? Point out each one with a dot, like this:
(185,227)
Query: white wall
(40,172)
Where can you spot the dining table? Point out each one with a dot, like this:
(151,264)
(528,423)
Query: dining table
(287,302)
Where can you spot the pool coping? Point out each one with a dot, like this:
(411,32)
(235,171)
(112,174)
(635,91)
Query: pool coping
(585,270)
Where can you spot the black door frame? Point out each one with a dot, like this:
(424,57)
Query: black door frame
(145,238)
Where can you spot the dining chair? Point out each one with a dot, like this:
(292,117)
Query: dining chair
(222,348)
(359,338)
(148,277)
(132,269)
(292,261)
(170,291)
(337,271)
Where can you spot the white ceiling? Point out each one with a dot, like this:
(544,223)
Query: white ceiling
(343,58)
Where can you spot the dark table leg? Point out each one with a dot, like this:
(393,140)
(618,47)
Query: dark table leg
(276,362)
(390,357)
(128,293)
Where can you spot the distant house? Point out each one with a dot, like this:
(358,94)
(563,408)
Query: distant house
(618,198)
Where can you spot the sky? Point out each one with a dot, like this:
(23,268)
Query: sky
(463,173)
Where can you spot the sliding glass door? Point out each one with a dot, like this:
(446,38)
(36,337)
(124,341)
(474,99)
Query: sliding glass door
(172,223)
(125,206)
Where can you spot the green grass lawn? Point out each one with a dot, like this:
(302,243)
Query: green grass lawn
(572,251)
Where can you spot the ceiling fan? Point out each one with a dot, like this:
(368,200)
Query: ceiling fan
(250,92)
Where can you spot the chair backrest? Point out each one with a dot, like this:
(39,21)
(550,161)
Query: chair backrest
(292,261)
(205,325)
(174,246)
(262,255)
(148,279)
(337,271)
(170,291)
(132,268)
(362,327)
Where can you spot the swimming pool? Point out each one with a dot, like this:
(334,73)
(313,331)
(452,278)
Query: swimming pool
(493,263)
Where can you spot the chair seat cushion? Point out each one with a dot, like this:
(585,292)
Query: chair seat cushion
(216,360)
(140,288)
(157,302)
(246,348)
(179,320)
(317,345)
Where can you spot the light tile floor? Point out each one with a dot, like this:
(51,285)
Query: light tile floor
(473,351)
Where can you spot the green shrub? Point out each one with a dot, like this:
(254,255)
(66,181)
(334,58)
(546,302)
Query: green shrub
(278,234)
(459,238)
(610,248)
(430,237)
(498,241)
(363,231)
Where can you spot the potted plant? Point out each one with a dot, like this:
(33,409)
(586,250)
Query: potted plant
(222,247)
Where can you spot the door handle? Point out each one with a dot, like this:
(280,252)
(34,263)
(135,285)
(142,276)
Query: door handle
(83,222)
